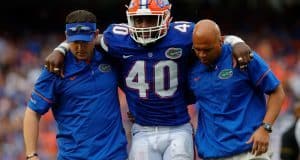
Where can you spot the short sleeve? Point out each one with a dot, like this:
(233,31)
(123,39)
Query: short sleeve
(43,94)
(261,75)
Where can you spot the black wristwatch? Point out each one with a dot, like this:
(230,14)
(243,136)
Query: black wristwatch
(267,126)
(28,157)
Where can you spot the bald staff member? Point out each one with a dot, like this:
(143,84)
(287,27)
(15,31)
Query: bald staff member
(235,117)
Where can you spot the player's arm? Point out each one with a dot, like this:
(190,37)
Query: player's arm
(241,51)
(54,62)
(30,133)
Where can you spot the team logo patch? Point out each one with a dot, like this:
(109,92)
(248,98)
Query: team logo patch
(104,67)
(174,53)
(225,74)
(162,3)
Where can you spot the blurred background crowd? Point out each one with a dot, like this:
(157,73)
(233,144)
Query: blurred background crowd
(29,30)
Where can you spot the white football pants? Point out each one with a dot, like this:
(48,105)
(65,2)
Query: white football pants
(162,142)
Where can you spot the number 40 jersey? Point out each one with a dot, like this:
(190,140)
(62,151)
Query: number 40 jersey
(153,77)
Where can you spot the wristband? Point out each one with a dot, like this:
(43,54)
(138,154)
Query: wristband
(64,45)
(232,40)
(61,50)
(32,155)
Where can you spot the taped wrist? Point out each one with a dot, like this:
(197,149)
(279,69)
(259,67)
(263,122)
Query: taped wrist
(63,48)
(232,40)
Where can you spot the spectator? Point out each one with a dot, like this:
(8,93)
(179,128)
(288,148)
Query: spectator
(289,148)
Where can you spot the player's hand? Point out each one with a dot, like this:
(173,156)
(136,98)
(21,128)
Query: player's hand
(54,62)
(130,117)
(260,140)
(242,53)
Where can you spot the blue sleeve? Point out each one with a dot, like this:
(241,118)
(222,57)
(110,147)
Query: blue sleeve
(116,37)
(43,94)
(180,32)
(261,75)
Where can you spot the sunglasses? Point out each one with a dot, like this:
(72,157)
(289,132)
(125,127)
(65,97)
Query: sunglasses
(79,29)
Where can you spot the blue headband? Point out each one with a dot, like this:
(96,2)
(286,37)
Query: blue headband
(80,31)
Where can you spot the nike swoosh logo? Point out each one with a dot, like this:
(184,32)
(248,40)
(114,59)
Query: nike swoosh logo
(126,56)
(196,79)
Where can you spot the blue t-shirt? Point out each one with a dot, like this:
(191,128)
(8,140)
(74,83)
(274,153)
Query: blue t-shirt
(85,107)
(154,77)
(231,103)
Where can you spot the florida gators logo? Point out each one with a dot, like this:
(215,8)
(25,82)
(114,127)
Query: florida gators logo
(162,3)
(79,28)
(174,53)
(104,67)
(225,74)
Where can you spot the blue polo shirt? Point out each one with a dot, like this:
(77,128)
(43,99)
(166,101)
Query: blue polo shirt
(231,103)
(85,107)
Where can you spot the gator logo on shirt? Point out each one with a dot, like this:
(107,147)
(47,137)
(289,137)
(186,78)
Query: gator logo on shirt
(104,67)
(173,53)
(225,74)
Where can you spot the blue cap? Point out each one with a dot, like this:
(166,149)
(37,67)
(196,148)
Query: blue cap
(80,31)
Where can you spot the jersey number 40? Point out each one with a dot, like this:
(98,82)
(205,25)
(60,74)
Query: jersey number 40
(165,78)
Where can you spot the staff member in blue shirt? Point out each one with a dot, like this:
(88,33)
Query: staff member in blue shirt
(236,108)
(84,101)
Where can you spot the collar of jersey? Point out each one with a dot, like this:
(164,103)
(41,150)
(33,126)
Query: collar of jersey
(73,66)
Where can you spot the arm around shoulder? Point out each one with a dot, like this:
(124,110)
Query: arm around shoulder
(54,61)
(240,50)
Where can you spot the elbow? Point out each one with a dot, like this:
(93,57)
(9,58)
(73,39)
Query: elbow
(280,93)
